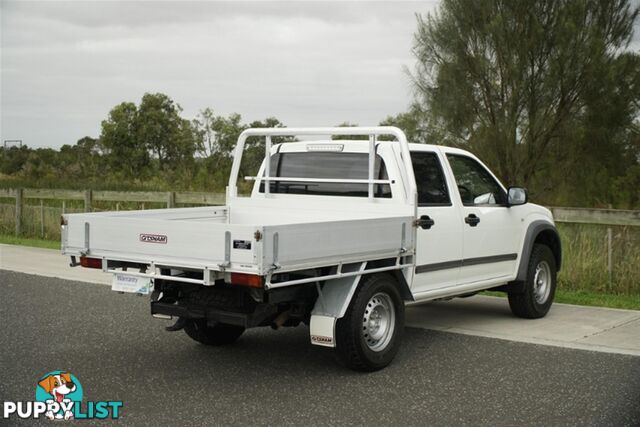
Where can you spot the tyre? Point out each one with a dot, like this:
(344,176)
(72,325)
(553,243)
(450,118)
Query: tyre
(540,286)
(369,334)
(219,334)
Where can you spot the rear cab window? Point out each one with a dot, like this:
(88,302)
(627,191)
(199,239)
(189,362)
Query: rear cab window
(326,165)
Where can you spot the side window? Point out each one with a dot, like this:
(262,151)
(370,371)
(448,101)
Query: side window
(432,186)
(475,183)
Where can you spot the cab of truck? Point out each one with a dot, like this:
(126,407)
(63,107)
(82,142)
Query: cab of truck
(471,227)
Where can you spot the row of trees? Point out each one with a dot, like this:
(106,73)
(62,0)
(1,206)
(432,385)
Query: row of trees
(144,146)
(547,93)
(598,163)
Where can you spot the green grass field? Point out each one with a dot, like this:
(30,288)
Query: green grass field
(584,265)
(35,243)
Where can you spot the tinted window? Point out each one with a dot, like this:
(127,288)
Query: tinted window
(475,184)
(326,165)
(432,186)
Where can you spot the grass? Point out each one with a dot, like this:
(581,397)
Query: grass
(629,302)
(584,264)
(578,297)
(23,241)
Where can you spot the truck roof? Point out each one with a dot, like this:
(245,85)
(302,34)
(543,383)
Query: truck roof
(356,146)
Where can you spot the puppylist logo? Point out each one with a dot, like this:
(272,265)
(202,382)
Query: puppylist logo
(59,397)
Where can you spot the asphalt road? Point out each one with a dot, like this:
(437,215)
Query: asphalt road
(119,352)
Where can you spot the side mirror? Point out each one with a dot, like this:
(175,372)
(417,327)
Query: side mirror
(517,196)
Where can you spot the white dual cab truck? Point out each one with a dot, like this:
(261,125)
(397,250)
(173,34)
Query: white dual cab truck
(337,234)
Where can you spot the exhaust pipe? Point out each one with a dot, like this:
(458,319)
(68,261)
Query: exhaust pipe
(280,320)
(177,326)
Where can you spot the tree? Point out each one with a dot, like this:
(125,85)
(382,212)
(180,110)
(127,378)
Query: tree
(269,122)
(349,137)
(159,127)
(508,78)
(82,160)
(125,152)
(204,125)
(217,134)
(254,149)
(227,132)
(600,149)
(13,159)
(412,123)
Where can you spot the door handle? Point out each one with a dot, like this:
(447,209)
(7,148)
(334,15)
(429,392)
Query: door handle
(472,220)
(425,222)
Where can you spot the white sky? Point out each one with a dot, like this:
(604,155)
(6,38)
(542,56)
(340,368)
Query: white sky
(66,64)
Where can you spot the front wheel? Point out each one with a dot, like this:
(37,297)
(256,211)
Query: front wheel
(369,334)
(540,286)
(218,334)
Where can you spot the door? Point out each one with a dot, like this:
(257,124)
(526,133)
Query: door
(439,237)
(491,230)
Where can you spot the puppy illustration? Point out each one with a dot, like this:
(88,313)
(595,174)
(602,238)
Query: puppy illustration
(58,386)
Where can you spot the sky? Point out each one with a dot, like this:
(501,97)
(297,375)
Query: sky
(64,65)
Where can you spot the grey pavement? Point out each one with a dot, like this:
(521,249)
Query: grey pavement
(119,352)
(586,328)
(46,262)
(571,326)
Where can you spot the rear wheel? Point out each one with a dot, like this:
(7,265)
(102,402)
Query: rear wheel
(540,286)
(218,334)
(369,334)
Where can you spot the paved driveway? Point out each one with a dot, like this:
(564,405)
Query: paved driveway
(119,352)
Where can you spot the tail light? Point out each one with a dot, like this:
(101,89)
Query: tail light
(90,262)
(250,280)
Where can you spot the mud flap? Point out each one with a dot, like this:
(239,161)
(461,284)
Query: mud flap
(332,303)
(322,330)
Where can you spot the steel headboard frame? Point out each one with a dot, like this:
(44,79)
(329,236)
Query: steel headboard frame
(372,132)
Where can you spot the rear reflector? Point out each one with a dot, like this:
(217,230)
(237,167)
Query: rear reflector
(250,280)
(90,262)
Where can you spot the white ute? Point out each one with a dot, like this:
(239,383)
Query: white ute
(337,234)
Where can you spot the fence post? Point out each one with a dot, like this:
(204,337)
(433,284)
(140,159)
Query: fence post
(64,206)
(41,219)
(610,255)
(18,211)
(171,200)
(87,200)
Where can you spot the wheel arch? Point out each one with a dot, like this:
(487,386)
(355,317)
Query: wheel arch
(539,232)
(337,295)
(403,285)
